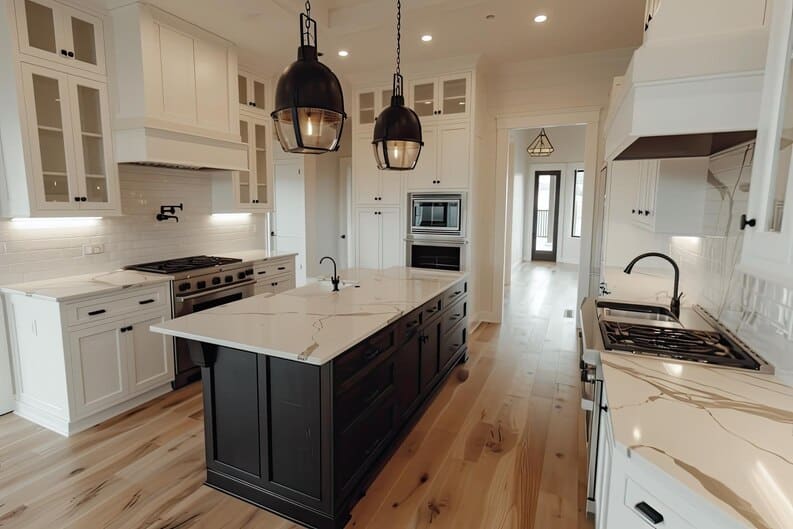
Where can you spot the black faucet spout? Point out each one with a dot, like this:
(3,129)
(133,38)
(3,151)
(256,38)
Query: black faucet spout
(334,279)
(676,296)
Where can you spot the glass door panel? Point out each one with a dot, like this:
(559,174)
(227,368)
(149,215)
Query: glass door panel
(245,176)
(261,163)
(91,142)
(455,96)
(84,40)
(782,167)
(242,87)
(49,123)
(40,21)
(366,110)
(424,98)
(259,95)
(386,98)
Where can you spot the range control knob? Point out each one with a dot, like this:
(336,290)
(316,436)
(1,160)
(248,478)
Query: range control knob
(240,275)
(215,280)
(249,272)
(184,286)
(229,279)
(201,284)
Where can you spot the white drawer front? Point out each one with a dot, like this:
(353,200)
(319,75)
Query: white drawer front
(276,284)
(267,269)
(126,302)
(638,499)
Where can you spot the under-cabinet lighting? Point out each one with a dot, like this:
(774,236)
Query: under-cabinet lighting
(53,222)
(229,217)
(540,18)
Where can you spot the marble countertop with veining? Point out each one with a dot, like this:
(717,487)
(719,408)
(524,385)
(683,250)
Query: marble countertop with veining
(249,256)
(727,434)
(311,323)
(70,288)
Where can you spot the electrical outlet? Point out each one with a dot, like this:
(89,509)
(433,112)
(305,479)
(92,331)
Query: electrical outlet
(93,249)
(88,249)
(99,248)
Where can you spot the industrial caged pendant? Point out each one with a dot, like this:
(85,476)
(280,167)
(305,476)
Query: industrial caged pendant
(541,146)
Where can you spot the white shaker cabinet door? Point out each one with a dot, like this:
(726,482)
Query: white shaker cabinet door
(454,156)
(368,237)
(99,368)
(391,238)
(150,354)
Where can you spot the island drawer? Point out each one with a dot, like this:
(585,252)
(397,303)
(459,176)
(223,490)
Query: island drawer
(357,398)
(109,307)
(451,342)
(362,356)
(431,309)
(266,269)
(409,325)
(453,315)
(456,292)
(364,440)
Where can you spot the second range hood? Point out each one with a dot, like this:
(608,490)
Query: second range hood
(688,97)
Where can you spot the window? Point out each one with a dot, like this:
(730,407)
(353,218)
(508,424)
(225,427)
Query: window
(578,202)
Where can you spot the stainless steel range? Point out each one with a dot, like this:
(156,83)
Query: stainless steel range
(200,283)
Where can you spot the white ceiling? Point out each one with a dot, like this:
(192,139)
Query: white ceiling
(268,29)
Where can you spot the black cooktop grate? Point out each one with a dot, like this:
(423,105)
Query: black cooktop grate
(183,264)
(680,344)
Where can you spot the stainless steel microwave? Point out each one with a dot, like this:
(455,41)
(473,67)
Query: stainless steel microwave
(437,214)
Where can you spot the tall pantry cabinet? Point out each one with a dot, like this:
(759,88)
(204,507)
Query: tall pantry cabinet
(445,105)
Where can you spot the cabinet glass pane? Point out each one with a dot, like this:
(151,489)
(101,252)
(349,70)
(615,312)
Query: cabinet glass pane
(84,41)
(245,176)
(783,161)
(366,108)
(41,26)
(455,96)
(261,163)
(386,99)
(424,99)
(258,95)
(46,94)
(88,101)
(242,88)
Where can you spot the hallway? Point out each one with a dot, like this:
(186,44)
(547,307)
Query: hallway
(502,450)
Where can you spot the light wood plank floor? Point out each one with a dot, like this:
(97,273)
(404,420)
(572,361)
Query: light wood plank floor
(502,450)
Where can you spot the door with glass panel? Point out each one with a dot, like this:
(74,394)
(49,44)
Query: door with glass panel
(93,148)
(53,31)
(545,215)
(254,187)
(50,137)
(252,93)
(454,97)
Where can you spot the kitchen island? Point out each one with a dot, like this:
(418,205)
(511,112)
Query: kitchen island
(308,392)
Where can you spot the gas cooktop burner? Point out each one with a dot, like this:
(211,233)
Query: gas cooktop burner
(183,264)
(680,344)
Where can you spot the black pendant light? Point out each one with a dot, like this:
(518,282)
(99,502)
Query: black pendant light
(541,146)
(309,104)
(397,131)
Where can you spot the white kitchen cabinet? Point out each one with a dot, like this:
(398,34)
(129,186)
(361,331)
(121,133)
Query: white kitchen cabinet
(373,186)
(379,237)
(72,372)
(275,285)
(671,194)
(768,224)
(57,32)
(445,159)
(275,275)
(441,98)
(368,105)
(252,93)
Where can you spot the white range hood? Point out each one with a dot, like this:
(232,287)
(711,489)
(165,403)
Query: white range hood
(690,95)
(177,93)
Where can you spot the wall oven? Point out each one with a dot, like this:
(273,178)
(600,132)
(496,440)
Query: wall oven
(437,253)
(437,214)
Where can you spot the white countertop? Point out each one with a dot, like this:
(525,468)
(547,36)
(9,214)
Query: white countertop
(726,434)
(249,256)
(75,287)
(311,323)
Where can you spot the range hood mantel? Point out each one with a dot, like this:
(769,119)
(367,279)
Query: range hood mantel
(688,97)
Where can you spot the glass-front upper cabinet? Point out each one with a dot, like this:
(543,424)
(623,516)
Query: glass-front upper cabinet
(448,96)
(252,92)
(68,132)
(55,31)
(254,187)
(369,103)
(768,223)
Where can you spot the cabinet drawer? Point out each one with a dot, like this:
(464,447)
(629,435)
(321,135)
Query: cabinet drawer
(431,309)
(409,325)
(362,356)
(456,292)
(649,511)
(267,269)
(107,307)
(351,403)
(364,439)
(275,284)
(453,315)
(451,342)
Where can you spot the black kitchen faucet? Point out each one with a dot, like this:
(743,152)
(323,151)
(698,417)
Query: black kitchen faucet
(335,279)
(675,304)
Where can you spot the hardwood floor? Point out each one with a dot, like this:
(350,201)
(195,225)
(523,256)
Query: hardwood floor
(502,450)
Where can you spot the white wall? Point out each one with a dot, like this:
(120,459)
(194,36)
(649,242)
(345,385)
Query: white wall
(519,174)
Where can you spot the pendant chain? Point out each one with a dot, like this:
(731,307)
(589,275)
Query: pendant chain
(399,34)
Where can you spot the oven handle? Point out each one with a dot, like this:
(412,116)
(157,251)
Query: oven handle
(182,299)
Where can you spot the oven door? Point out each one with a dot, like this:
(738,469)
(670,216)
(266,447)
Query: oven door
(186,370)
(436,214)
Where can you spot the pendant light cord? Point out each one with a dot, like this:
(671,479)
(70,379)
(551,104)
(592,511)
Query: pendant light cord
(399,35)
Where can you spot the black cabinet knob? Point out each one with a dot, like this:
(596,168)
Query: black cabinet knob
(83,199)
(64,53)
(71,54)
(745,221)
(633,211)
(647,212)
(77,199)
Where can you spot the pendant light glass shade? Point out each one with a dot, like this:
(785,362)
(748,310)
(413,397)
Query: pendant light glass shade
(397,138)
(541,146)
(309,103)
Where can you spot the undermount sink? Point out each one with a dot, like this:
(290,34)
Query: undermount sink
(629,311)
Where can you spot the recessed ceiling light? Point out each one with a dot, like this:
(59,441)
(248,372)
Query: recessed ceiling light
(540,18)
(343,53)
(490,17)
(426,38)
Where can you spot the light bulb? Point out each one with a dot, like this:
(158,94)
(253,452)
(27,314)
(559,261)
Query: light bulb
(309,127)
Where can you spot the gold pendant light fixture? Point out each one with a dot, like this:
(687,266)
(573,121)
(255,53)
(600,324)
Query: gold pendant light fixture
(541,146)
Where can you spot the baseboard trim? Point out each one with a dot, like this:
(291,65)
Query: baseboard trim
(66,428)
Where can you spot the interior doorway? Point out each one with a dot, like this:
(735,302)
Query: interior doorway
(545,227)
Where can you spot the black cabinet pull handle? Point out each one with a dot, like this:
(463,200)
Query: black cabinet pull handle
(454,346)
(372,396)
(262,272)
(146,301)
(97,312)
(648,512)
(281,268)
(432,311)
(372,354)
(412,324)
(372,447)
(745,221)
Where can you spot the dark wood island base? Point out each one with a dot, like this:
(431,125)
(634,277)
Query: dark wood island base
(305,441)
